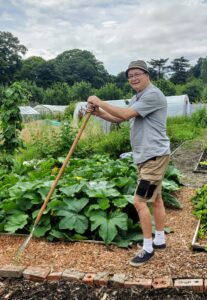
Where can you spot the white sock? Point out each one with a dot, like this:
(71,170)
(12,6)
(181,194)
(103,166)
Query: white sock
(159,237)
(147,245)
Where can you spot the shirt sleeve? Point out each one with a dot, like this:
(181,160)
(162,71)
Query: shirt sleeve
(148,103)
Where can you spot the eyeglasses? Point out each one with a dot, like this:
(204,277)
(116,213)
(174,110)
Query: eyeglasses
(136,75)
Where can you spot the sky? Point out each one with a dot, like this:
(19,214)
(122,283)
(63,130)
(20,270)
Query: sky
(115,31)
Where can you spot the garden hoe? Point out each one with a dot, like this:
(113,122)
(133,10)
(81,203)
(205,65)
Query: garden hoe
(24,244)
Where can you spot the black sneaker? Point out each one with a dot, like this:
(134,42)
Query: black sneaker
(140,258)
(159,247)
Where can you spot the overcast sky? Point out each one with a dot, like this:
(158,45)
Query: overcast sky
(115,31)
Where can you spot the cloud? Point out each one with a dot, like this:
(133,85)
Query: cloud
(116,32)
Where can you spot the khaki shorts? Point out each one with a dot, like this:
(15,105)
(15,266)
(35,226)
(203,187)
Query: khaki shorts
(150,176)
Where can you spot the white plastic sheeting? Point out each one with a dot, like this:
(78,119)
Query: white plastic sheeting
(28,113)
(50,109)
(177,106)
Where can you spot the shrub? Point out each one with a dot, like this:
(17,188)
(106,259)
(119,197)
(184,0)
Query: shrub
(199,118)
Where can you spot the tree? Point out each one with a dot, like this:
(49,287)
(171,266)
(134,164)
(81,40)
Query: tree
(110,92)
(158,66)
(120,80)
(29,68)
(193,89)
(166,86)
(81,65)
(58,94)
(47,74)
(10,56)
(204,70)
(179,66)
(195,71)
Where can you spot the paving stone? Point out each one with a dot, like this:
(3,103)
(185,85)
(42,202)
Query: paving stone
(195,284)
(36,273)
(162,282)
(72,275)
(139,282)
(101,278)
(89,278)
(54,276)
(117,280)
(11,271)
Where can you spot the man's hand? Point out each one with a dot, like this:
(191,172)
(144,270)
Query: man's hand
(91,108)
(94,100)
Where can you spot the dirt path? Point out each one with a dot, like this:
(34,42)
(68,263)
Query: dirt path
(186,158)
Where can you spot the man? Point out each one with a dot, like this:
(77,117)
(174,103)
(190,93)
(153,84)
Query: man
(147,113)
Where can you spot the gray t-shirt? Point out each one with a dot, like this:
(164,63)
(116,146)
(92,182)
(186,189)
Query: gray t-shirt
(148,129)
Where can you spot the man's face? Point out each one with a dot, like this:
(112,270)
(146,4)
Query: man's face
(138,79)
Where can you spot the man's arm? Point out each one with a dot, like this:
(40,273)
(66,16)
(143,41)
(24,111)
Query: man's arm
(123,114)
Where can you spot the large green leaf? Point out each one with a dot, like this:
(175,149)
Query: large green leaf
(74,221)
(71,190)
(15,222)
(170,185)
(108,224)
(101,189)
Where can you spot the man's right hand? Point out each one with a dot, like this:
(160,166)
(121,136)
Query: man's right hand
(91,108)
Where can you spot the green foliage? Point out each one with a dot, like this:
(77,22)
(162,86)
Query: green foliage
(199,118)
(37,93)
(11,120)
(54,143)
(179,66)
(166,86)
(29,68)
(57,94)
(180,129)
(159,67)
(114,143)
(200,209)
(68,112)
(93,200)
(110,92)
(80,65)
(10,56)
(193,89)
(81,91)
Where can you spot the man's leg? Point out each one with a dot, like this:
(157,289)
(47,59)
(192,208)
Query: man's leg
(146,224)
(158,211)
(144,216)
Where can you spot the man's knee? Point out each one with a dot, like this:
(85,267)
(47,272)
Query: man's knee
(139,204)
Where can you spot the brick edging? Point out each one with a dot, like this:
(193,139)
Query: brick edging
(39,274)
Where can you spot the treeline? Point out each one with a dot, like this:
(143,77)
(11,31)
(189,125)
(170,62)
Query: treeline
(75,74)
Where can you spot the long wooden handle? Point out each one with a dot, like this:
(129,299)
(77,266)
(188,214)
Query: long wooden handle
(62,168)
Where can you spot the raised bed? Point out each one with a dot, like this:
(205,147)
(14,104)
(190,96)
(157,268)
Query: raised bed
(197,244)
(199,167)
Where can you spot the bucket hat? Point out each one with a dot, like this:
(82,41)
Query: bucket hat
(137,64)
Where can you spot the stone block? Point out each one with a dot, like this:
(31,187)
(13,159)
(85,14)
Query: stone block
(36,273)
(89,278)
(162,282)
(195,284)
(117,280)
(72,275)
(101,278)
(12,271)
(54,276)
(139,282)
